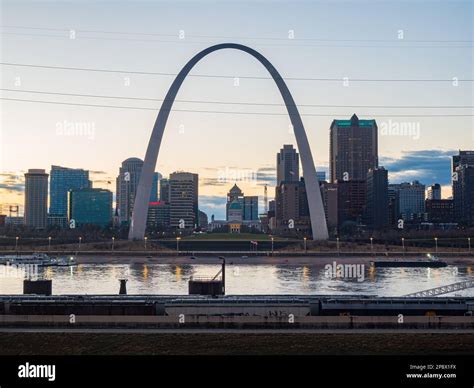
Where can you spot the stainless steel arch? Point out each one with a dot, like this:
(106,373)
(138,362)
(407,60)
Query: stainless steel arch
(316,209)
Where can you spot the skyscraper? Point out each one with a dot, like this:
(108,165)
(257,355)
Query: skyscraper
(165,190)
(127,183)
(461,159)
(291,208)
(36,199)
(154,188)
(63,179)
(377,214)
(288,165)
(353,149)
(90,207)
(250,208)
(184,199)
(463,195)
(434,191)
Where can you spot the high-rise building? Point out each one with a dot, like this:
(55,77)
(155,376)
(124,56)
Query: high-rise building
(377,210)
(351,199)
(158,214)
(63,179)
(291,208)
(36,199)
(463,195)
(464,158)
(288,165)
(154,187)
(434,191)
(90,207)
(329,194)
(127,184)
(165,190)
(184,199)
(353,149)
(250,208)
(203,220)
(440,211)
(411,199)
(393,205)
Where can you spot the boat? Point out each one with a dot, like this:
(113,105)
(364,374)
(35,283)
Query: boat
(39,259)
(430,262)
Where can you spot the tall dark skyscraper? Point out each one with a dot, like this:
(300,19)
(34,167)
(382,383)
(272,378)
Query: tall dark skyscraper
(463,158)
(63,179)
(463,195)
(288,165)
(165,190)
(154,188)
(36,199)
(127,183)
(184,199)
(353,149)
(377,214)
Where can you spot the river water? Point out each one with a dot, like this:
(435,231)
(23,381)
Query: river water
(240,279)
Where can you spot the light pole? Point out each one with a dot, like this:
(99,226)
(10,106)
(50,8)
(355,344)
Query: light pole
(145,238)
(113,243)
(80,240)
(16,243)
(272,245)
(177,244)
(403,245)
(436,244)
(469,244)
(305,245)
(372,244)
(49,244)
(337,243)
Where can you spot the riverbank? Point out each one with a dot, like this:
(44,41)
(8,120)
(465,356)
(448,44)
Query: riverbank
(310,260)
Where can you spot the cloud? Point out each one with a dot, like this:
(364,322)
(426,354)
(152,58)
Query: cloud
(427,166)
(213,204)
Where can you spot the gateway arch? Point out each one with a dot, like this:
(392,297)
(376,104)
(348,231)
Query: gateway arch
(316,208)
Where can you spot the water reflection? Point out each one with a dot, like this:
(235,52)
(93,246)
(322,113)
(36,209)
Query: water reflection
(240,279)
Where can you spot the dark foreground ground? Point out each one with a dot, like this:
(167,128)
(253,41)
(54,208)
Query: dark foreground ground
(236,343)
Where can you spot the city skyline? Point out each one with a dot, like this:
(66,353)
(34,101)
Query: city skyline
(102,133)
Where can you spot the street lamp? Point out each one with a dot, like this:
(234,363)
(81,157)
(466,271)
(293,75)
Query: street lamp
(113,242)
(272,245)
(337,243)
(16,243)
(403,245)
(305,245)
(372,244)
(146,238)
(436,244)
(49,243)
(469,244)
(80,240)
(177,244)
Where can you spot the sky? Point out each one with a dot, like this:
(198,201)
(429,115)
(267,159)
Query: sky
(407,64)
